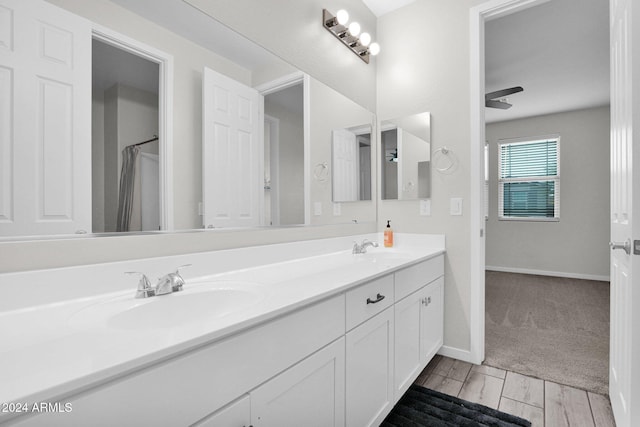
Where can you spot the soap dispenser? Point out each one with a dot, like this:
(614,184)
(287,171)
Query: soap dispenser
(388,235)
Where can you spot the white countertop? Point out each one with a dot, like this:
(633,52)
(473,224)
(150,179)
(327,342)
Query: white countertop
(48,350)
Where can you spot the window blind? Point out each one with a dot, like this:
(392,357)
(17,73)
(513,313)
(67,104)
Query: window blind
(529,179)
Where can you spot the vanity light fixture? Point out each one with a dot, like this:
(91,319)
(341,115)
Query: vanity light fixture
(348,34)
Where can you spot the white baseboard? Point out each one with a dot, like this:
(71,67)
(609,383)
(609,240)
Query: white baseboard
(459,354)
(548,273)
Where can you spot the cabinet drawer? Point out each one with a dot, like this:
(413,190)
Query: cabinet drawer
(368,300)
(413,278)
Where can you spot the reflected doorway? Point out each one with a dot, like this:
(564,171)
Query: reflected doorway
(125,113)
(284,156)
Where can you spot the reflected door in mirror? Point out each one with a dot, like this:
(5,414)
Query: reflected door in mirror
(45,121)
(232,153)
(351,164)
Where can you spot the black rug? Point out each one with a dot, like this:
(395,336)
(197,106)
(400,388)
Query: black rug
(423,407)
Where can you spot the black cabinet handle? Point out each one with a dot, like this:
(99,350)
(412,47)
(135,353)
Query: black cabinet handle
(379,298)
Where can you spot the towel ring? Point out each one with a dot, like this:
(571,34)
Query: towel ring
(444,160)
(321,172)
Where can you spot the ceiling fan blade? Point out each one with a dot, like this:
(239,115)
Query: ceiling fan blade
(497,104)
(504,92)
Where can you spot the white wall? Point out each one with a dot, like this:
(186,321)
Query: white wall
(424,66)
(294,32)
(331,110)
(97,161)
(577,245)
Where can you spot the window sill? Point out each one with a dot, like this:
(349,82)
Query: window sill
(528,219)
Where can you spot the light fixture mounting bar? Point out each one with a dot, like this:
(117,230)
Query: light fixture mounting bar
(341,32)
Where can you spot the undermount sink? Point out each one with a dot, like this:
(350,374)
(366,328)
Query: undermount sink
(204,302)
(387,256)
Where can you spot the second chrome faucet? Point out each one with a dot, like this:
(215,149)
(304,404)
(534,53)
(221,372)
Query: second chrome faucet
(167,284)
(362,248)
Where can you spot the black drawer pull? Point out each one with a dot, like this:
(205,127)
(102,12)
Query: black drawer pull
(379,298)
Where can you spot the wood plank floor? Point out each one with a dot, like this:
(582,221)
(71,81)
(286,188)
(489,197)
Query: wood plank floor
(544,403)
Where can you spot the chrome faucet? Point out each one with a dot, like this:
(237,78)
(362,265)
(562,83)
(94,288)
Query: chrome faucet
(362,248)
(144,286)
(172,282)
(169,283)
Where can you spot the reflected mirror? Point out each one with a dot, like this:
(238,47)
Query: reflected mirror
(406,157)
(351,164)
(286,181)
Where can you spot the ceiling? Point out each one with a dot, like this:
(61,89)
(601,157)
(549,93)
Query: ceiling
(558,52)
(111,65)
(382,7)
(192,24)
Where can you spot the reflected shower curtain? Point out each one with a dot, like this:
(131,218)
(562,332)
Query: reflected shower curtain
(127,187)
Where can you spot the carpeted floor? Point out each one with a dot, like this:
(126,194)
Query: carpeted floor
(422,407)
(556,329)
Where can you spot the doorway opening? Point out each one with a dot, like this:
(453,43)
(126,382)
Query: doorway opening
(500,233)
(131,125)
(284,154)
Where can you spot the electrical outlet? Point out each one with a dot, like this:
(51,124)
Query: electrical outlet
(337,209)
(317,208)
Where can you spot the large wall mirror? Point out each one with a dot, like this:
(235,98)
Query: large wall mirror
(126,97)
(406,157)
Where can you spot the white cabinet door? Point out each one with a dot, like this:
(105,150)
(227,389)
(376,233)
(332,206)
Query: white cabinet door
(45,120)
(309,394)
(432,320)
(418,333)
(237,414)
(408,358)
(232,153)
(370,371)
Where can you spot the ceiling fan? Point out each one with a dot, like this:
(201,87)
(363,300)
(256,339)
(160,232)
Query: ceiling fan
(493,99)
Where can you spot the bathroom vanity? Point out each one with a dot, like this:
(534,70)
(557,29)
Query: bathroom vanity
(259,336)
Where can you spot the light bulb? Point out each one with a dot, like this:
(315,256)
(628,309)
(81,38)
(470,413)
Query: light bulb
(374,49)
(365,39)
(354,29)
(342,17)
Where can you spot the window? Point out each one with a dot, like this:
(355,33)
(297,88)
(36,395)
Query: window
(529,179)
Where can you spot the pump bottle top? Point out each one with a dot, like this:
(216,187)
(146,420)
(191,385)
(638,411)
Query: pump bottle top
(388,235)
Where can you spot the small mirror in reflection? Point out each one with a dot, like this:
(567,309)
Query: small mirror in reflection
(406,156)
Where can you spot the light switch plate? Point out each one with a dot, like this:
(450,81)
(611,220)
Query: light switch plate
(317,208)
(425,207)
(337,209)
(455,206)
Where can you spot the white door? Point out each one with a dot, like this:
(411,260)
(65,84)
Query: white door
(309,394)
(345,166)
(232,153)
(624,379)
(45,120)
